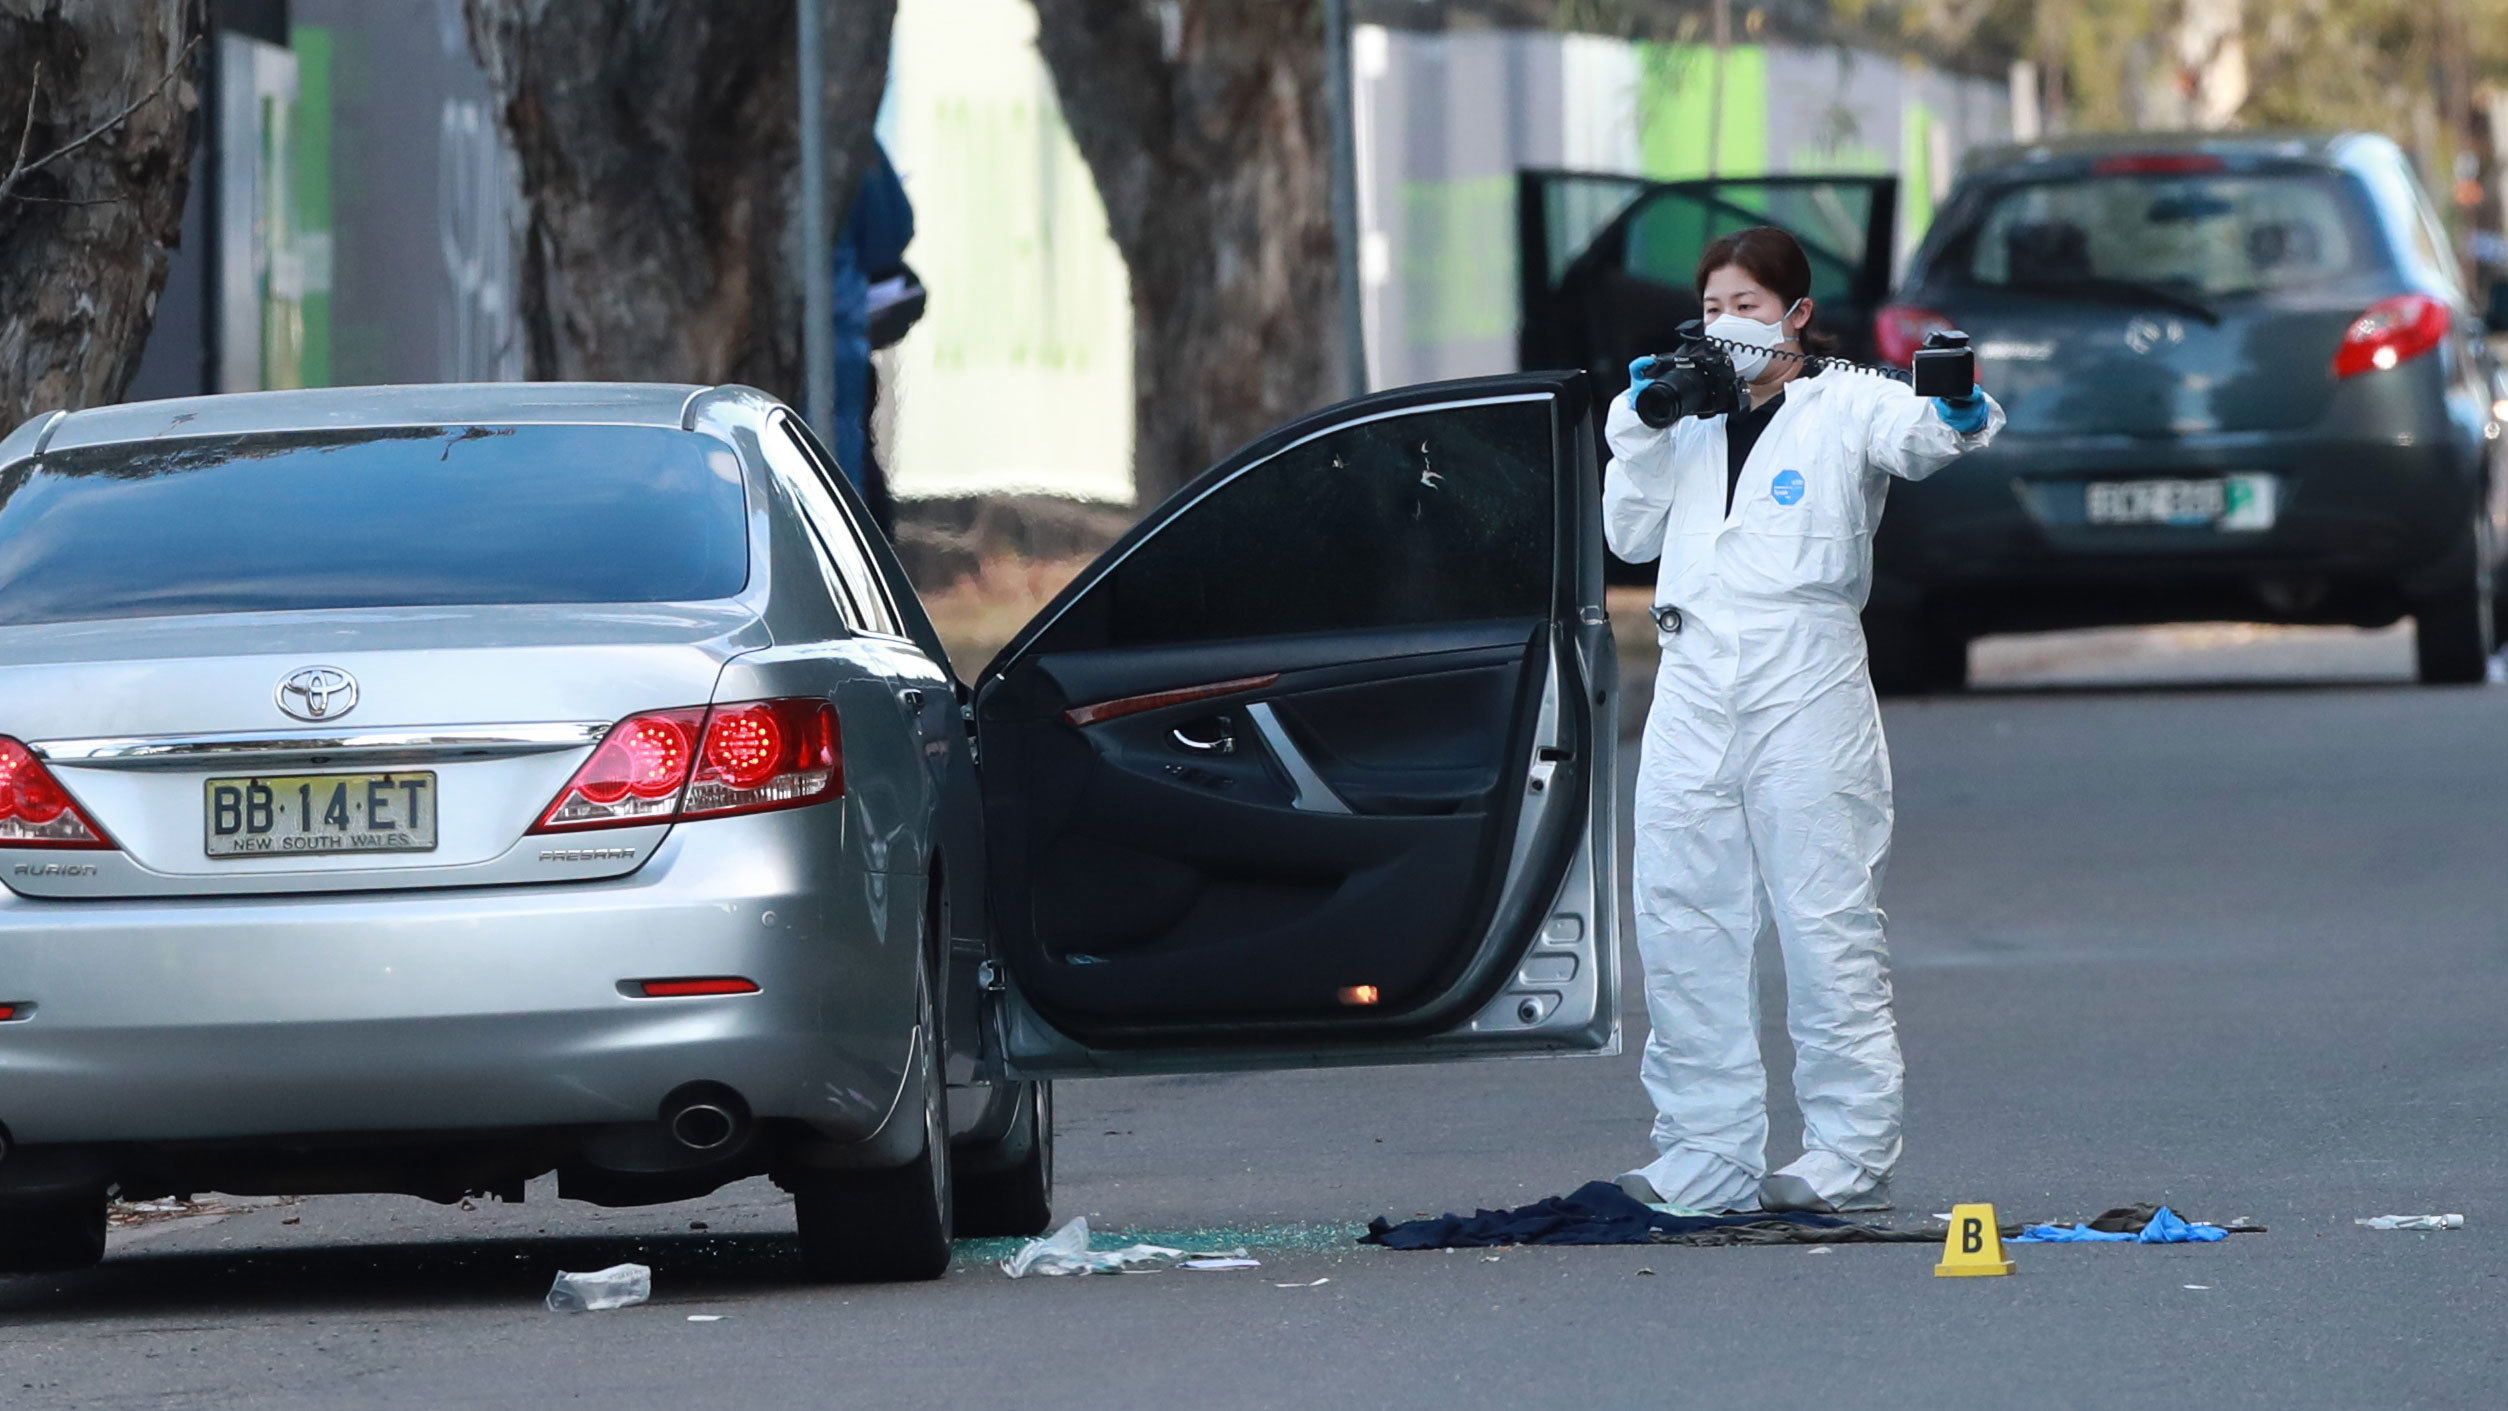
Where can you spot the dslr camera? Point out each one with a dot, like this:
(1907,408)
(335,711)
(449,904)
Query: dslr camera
(1694,379)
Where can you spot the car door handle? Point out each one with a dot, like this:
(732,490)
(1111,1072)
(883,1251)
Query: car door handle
(1211,736)
(912,699)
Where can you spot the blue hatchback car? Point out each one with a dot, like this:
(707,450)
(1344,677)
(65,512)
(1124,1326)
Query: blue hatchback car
(2245,383)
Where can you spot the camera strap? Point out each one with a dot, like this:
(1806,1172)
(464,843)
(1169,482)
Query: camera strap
(1812,361)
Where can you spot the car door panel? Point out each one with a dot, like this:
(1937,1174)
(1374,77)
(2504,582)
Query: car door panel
(1183,875)
(1214,845)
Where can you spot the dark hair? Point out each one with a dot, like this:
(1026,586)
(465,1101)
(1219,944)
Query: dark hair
(1776,261)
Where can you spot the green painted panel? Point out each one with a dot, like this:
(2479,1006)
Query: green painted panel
(1916,180)
(309,183)
(1676,88)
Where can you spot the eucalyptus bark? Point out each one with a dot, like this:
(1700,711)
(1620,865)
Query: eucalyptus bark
(1205,124)
(99,112)
(660,156)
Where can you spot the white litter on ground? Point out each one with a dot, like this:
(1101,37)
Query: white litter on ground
(619,1286)
(1066,1251)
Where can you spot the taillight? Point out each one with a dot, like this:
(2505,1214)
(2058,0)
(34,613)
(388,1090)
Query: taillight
(35,811)
(661,766)
(766,754)
(2393,331)
(1901,330)
(636,774)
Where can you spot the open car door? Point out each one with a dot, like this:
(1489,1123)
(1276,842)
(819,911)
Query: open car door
(1314,767)
(1610,263)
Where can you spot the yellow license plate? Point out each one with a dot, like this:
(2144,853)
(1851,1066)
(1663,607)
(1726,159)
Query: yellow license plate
(281,814)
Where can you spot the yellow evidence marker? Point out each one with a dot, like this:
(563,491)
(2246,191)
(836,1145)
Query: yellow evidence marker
(1974,1245)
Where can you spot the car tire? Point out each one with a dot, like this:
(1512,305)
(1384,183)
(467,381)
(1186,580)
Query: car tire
(1018,1197)
(2453,635)
(53,1235)
(890,1226)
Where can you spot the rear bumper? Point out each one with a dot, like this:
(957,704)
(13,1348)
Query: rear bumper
(2361,526)
(489,1008)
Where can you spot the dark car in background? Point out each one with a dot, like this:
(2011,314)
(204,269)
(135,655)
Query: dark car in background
(2244,382)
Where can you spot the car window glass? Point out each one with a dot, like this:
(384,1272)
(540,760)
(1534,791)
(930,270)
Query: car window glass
(2431,235)
(394,517)
(2208,234)
(1577,208)
(1671,229)
(1434,516)
(862,593)
(846,536)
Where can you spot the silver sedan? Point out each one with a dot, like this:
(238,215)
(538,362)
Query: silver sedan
(424,789)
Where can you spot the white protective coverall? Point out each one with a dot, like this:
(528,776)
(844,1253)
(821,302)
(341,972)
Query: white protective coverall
(1763,790)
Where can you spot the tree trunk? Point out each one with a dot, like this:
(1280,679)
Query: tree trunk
(661,177)
(1205,123)
(85,236)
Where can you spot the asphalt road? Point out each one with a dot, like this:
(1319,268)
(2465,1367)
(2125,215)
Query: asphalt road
(2212,919)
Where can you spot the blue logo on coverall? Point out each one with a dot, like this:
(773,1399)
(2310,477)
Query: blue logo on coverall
(1787,487)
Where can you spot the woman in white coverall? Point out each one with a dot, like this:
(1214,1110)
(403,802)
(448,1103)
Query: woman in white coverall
(1763,792)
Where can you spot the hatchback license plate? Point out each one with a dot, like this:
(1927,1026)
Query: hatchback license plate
(2232,502)
(282,814)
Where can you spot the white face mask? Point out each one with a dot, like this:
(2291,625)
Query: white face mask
(1750,333)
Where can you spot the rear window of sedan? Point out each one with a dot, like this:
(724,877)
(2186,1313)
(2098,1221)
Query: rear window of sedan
(2206,234)
(408,517)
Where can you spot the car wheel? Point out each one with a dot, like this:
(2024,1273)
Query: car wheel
(2453,635)
(54,1234)
(1016,1198)
(888,1226)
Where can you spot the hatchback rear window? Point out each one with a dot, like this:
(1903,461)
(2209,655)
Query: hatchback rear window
(2213,235)
(410,517)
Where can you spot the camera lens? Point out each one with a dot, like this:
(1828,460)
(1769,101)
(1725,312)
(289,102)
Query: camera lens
(1658,405)
(1683,391)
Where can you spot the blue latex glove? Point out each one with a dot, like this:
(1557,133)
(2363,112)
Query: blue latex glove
(1640,372)
(1965,415)
(2166,1227)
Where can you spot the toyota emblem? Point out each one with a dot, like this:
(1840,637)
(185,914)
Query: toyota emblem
(318,693)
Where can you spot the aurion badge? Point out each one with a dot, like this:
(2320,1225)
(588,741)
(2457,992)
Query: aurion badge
(318,693)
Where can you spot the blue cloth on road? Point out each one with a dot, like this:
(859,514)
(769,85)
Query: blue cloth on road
(1965,415)
(2166,1227)
(1599,1212)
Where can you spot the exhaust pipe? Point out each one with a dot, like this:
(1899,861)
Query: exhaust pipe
(704,1126)
(705,1118)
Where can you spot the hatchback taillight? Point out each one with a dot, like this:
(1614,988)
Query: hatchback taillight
(35,811)
(663,766)
(1900,330)
(2393,331)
